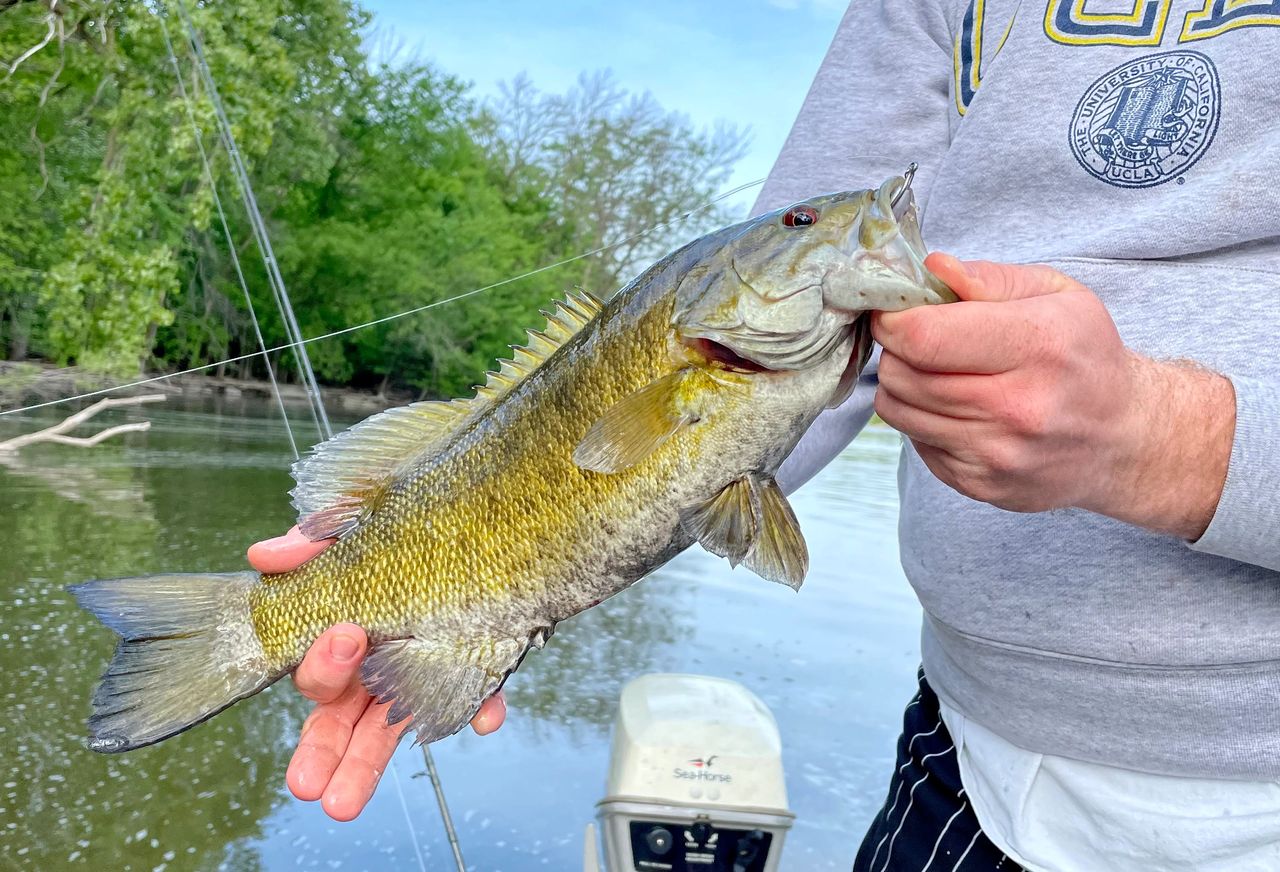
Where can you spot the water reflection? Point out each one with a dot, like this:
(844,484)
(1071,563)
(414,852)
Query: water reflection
(833,662)
(573,684)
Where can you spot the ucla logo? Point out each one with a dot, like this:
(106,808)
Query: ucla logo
(1149,120)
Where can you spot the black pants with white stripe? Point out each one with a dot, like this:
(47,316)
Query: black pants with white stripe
(926,823)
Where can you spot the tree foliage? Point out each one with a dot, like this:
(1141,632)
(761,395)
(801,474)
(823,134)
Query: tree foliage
(613,163)
(384,188)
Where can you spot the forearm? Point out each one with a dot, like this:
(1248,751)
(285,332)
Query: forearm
(1174,449)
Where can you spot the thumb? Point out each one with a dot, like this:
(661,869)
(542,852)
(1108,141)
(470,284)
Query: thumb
(285,553)
(990,282)
(332,664)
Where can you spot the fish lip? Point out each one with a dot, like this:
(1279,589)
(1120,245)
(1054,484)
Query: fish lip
(903,210)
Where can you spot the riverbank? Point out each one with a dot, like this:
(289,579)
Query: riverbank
(29,382)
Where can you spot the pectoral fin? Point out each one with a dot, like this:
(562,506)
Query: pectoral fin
(440,685)
(635,427)
(751,522)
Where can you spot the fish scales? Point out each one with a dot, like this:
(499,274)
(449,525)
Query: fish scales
(619,436)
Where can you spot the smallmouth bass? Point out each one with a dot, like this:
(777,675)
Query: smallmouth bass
(617,437)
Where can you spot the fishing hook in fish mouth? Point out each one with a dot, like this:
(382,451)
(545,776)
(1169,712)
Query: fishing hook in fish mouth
(907,178)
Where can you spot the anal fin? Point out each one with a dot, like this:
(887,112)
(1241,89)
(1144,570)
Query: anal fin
(439,684)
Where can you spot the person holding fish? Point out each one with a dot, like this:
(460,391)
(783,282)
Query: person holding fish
(1089,489)
(1089,478)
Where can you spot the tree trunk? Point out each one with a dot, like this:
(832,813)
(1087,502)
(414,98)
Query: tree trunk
(18,340)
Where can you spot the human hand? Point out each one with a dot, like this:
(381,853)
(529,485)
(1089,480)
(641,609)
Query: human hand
(345,742)
(1023,395)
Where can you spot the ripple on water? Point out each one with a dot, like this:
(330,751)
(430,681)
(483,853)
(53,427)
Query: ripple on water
(834,663)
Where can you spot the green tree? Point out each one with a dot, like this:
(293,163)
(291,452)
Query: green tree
(383,188)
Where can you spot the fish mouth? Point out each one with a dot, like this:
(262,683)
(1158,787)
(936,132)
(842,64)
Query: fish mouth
(754,353)
(723,357)
(870,256)
(885,268)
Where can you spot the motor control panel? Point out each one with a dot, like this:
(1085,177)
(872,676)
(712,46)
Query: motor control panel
(698,847)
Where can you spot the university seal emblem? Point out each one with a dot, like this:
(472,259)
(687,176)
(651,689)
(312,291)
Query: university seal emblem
(1148,120)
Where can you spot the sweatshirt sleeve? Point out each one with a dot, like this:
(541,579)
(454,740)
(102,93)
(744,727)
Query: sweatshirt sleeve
(1246,525)
(879,102)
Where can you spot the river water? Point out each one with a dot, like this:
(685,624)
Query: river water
(835,663)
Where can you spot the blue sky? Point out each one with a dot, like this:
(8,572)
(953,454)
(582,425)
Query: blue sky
(745,61)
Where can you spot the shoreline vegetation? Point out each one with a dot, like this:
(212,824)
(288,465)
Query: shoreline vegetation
(29,382)
(384,183)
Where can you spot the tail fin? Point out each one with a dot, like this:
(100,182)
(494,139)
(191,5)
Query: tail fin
(187,651)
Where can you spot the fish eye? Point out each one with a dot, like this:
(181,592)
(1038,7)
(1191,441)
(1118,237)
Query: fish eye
(800,216)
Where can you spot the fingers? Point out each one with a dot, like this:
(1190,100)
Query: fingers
(284,553)
(922,426)
(978,338)
(366,757)
(332,665)
(368,753)
(957,395)
(324,740)
(1000,323)
(984,281)
(493,711)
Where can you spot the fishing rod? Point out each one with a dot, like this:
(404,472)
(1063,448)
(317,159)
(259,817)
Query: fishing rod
(274,279)
(226,230)
(292,329)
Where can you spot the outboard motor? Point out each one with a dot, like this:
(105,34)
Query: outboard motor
(695,781)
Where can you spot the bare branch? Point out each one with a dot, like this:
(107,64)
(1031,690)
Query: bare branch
(44,97)
(51,19)
(57,433)
(86,441)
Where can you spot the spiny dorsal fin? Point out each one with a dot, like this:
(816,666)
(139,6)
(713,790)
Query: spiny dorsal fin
(566,318)
(339,482)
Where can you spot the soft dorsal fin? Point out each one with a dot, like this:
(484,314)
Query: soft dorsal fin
(339,482)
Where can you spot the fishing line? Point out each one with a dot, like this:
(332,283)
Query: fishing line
(293,331)
(471,293)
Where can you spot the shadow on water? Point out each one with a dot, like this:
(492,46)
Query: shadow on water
(834,663)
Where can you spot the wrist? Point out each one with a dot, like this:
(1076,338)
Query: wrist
(1170,448)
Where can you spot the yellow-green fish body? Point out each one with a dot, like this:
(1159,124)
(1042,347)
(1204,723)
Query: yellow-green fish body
(620,435)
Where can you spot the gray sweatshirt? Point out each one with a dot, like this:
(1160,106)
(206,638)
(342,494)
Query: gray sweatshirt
(1139,154)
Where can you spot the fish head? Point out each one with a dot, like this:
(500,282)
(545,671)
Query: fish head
(784,290)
